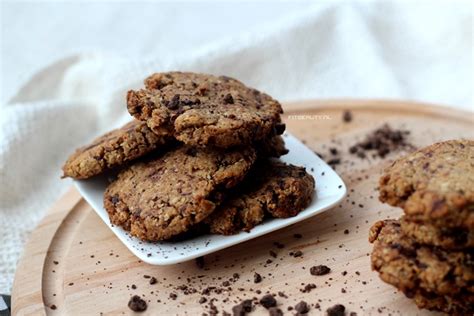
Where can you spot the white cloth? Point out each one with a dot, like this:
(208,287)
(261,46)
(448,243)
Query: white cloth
(409,50)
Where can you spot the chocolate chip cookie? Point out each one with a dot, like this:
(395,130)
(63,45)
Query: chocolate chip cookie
(446,238)
(272,189)
(415,268)
(163,197)
(113,149)
(205,110)
(434,184)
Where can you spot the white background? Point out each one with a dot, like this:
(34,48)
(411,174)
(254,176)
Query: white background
(65,68)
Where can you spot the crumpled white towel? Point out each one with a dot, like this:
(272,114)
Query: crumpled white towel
(420,51)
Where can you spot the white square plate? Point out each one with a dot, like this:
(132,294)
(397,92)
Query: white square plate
(330,189)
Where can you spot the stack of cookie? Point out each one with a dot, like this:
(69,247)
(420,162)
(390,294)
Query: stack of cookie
(200,154)
(429,252)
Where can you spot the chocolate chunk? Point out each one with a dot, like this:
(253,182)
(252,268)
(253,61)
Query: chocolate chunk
(336,310)
(257,278)
(137,304)
(347,116)
(268,301)
(320,270)
(228,99)
(275,311)
(302,307)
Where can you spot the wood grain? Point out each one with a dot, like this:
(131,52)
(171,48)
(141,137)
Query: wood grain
(74,262)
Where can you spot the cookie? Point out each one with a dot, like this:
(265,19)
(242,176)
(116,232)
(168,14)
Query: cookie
(113,149)
(272,189)
(434,184)
(205,110)
(163,197)
(414,268)
(446,238)
(460,305)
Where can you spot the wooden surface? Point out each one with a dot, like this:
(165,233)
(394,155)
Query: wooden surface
(73,261)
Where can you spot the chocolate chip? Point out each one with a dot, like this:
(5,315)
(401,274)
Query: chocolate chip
(202,300)
(52,306)
(174,103)
(347,116)
(257,278)
(115,199)
(336,310)
(137,304)
(275,311)
(268,301)
(333,151)
(134,287)
(228,99)
(280,128)
(173,296)
(302,307)
(319,270)
(273,254)
(153,280)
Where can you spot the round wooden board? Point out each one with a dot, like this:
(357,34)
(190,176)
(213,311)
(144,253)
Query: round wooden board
(74,262)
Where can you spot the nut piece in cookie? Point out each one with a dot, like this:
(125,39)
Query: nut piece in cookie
(165,196)
(272,189)
(434,184)
(421,271)
(204,110)
(113,149)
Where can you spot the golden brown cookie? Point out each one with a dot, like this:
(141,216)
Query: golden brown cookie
(163,197)
(205,110)
(415,268)
(434,185)
(446,238)
(272,189)
(113,149)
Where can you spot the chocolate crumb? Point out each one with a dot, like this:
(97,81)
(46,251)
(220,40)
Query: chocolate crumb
(200,262)
(134,287)
(137,304)
(297,253)
(273,254)
(347,116)
(243,308)
(382,141)
(268,301)
(257,278)
(320,270)
(153,280)
(302,307)
(275,311)
(336,310)
(173,296)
